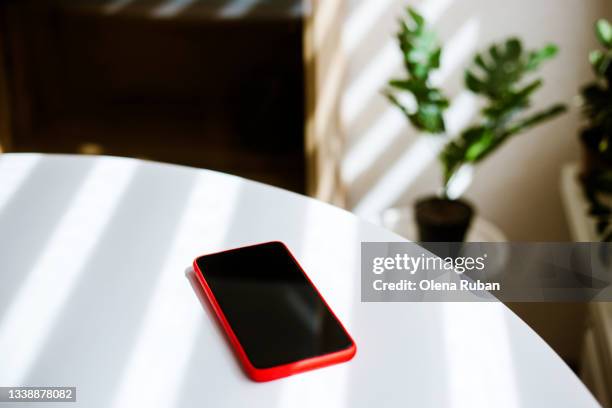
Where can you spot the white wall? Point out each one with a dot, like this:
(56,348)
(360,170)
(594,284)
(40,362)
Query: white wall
(387,164)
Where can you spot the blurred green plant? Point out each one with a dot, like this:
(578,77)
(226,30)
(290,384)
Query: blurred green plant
(497,76)
(597,95)
(421,55)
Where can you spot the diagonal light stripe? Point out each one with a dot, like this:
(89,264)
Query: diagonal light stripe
(335,281)
(51,280)
(171,323)
(458,49)
(473,368)
(388,59)
(15,169)
(361,22)
(171,8)
(370,81)
(412,163)
(237,8)
(376,140)
(115,6)
(379,137)
(432,10)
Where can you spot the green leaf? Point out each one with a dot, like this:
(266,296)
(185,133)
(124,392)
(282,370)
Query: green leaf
(494,52)
(541,55)
(422,92)
(405,84)
(603,28)
(434,60)
(451,158)
(416,17)
(421,53)
(505,67)
(534,119)
(429,117)
(501,110)
(467,147)
(514,48)
(473,83)
(601,62)
(429,113)
(479,147)
(435,96)
(498,75)
(419,46)
(595,58)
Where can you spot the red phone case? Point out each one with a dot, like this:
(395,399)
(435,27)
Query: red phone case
(285,370)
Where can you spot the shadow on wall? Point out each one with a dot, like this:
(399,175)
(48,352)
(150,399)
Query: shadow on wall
(387,164)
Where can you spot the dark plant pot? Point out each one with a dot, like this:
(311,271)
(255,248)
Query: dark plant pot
(442,220)
(593,161)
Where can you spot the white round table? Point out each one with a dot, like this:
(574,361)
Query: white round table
(95,292)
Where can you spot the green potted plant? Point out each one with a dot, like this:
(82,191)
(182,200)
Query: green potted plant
(499,77)
(597,106)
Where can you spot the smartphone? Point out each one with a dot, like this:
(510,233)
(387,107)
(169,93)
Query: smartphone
(275,319)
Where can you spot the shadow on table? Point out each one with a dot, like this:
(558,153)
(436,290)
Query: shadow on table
(210,313)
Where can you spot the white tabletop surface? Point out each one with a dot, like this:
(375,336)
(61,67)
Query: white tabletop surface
(94,294)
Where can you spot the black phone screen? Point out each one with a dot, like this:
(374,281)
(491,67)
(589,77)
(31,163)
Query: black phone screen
(273,309)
